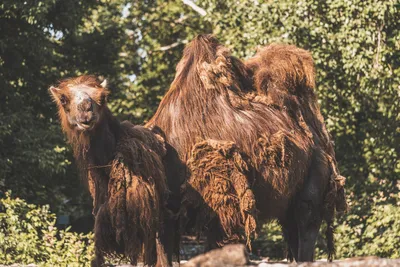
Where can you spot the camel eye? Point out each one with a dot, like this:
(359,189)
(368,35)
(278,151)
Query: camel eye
(63,100)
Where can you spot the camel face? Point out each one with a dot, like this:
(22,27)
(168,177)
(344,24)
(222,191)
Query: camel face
(80,105)
(83,111)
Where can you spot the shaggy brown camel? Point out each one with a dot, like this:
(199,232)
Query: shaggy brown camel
(123,165)
(252,144)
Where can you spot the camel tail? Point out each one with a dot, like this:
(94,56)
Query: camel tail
(330,231)
(335,202)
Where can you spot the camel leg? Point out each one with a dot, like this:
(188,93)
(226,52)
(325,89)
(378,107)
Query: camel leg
(98,260)
(211,242)
(212,236)
(309,221)
(162,258)
(177,248)
(290,233)
(168,243)
(309,209)
(101,220)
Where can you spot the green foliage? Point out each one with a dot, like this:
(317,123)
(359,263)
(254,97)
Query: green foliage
(35,162)
(28,235)
(378,234)
(270,242)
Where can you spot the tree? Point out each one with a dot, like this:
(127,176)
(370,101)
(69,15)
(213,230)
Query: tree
(43,41)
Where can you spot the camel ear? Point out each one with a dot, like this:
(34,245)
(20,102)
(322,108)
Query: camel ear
(103,96)
(55,91)
(104,84)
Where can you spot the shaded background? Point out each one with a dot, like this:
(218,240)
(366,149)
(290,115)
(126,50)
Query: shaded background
(136,46)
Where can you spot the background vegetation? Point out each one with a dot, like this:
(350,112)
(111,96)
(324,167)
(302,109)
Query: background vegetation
(28,235)
(136,45)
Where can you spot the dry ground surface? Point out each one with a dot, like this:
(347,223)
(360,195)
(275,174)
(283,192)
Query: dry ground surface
(236,255)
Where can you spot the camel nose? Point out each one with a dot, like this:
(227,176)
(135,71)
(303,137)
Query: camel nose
(85,118)
(85,105)
(85,111)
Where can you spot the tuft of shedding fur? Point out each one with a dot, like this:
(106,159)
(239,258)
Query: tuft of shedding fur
(220,179)
(268,109)
(123,165)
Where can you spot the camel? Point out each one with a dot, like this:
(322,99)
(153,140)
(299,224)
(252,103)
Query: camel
(124,167)
(252,145)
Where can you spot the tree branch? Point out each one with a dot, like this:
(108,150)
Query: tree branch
(167,47)
(195,7)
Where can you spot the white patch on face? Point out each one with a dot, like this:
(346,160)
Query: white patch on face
(80,96)
(81,93)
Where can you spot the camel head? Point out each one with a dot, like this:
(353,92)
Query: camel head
(81,102)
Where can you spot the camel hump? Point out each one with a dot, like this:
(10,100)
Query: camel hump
(198,57)
(207,64)
(201,49)
(283,68)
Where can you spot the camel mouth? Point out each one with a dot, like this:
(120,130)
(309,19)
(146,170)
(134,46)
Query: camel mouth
(83,126)
(86,125)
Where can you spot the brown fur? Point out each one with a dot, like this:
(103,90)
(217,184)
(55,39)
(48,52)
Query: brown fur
(219,176)
(268,110)
(126,176)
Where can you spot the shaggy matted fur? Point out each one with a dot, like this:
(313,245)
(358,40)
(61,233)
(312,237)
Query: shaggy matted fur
(220,177)
(271,114)
(124,167)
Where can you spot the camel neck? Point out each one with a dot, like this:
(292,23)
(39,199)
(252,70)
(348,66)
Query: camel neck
(96,148)
(103,140)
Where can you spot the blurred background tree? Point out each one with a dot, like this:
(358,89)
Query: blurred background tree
(136,45)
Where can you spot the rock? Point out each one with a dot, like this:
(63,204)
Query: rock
(229,255)
(356,262)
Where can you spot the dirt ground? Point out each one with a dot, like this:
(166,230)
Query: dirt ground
(236,255)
